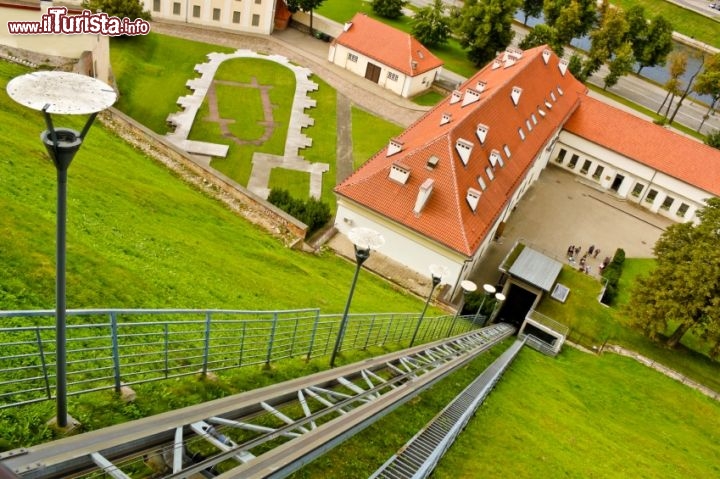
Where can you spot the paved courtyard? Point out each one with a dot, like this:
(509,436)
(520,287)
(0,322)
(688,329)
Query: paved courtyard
(561,209)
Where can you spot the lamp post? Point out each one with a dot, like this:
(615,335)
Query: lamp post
(489,291)
(436,273)
(61,93)
(467,287)
(364,240)
(499,298)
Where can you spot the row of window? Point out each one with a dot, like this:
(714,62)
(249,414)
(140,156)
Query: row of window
(217,12)
(637,190)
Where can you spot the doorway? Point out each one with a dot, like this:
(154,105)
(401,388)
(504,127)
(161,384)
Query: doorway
(617,182)
(519,301)
(372,72)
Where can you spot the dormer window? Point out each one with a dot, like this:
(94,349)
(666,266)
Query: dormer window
(471,96)
(489,173)
(548,105)
(563,66)
(506,149)
(463,148)
(445,119)
(481,182)
(395,146)
(473,198)
(560,91)
(455,97)
(432,162)
(515,95)
(481,84)
(481,132)
(546,56)
(399,173)
(521,133)
(496,64)
(496,159)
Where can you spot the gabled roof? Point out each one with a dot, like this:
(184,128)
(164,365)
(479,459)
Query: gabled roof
(546,99)
(675,155)
(387,45)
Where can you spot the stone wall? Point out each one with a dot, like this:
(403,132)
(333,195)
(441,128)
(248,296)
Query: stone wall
(199,173)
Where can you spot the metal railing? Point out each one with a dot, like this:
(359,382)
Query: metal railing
(109,348)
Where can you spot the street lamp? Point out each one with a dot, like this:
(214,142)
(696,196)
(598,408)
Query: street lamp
(489,291)
(499,298)
(63,93)
(364,240)
(436,273)
(467,287)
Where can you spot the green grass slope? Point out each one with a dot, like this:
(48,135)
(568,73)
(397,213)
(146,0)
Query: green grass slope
(139,237)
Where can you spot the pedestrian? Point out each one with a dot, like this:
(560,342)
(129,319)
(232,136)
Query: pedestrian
(570,250)
(596,252)
(591,249)
(578,249)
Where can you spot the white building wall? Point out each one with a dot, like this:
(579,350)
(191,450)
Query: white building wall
(184,11)
(641,184)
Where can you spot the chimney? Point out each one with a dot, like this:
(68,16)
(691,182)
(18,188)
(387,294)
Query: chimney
(347,26)
(423,195)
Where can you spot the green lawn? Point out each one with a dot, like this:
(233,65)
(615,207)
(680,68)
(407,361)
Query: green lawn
(369,135)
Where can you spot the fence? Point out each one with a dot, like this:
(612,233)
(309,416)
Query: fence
(109,348)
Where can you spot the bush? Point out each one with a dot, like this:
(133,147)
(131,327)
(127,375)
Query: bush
(314,213)
(612,274)
(713,139)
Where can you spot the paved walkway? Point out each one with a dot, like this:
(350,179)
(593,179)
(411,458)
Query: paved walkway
(344,157)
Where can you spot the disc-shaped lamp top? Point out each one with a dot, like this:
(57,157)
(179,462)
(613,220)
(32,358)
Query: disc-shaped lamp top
(468,286)
(366,238)
(489,289)
(64,93)
(500,297)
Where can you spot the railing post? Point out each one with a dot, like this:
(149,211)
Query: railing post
(272,339)
(167,349)
(42,361)
(206,352)
(387,332)
(242,342)
(294,336)
(357,335)
(370,330)
(115,350)
(312,335)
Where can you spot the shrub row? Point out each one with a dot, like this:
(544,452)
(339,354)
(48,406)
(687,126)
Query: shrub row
(612,274)
(314,213)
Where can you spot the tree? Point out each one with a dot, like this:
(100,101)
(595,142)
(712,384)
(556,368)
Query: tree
(430,25)
(531,8)
(713,139)
(485,28)
(606,40)
(708,83)
(683,291)
(687,89)
(676,69)
(131,9)
(620,65)
(651,41)
(581,14)
(305,6)
(388,8)
(542,34)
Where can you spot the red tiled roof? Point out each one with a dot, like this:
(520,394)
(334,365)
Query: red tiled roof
(387,45)
(680,157)
(447,218)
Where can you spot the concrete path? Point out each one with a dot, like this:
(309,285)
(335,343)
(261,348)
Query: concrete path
(344,160)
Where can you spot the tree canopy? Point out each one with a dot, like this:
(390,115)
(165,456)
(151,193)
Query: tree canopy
(430,25)
(388,8)
(305,6)
(485,28)
(131,9)
(708,83)
(682,293)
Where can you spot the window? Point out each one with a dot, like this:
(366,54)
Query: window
(682,210)
(216,14)
(506,149)
(156,5)
(573,162)
(652,194)
(521,133)
(255,20)
(637,189)
(586,167)
(534,118)
(561,156)
(667,203)
(196,11)
(176,8)
(352,57)
(481,182)
(236,17)
(598,172)
(529,125)
(392,76)
(490,173)
(258,2)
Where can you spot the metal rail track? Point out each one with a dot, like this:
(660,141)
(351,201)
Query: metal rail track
(268,432)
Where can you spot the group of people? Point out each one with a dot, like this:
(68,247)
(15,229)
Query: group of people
(573,252)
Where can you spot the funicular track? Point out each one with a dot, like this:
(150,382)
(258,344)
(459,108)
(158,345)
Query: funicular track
(268,432)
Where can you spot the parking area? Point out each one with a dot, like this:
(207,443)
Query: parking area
(562,209)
